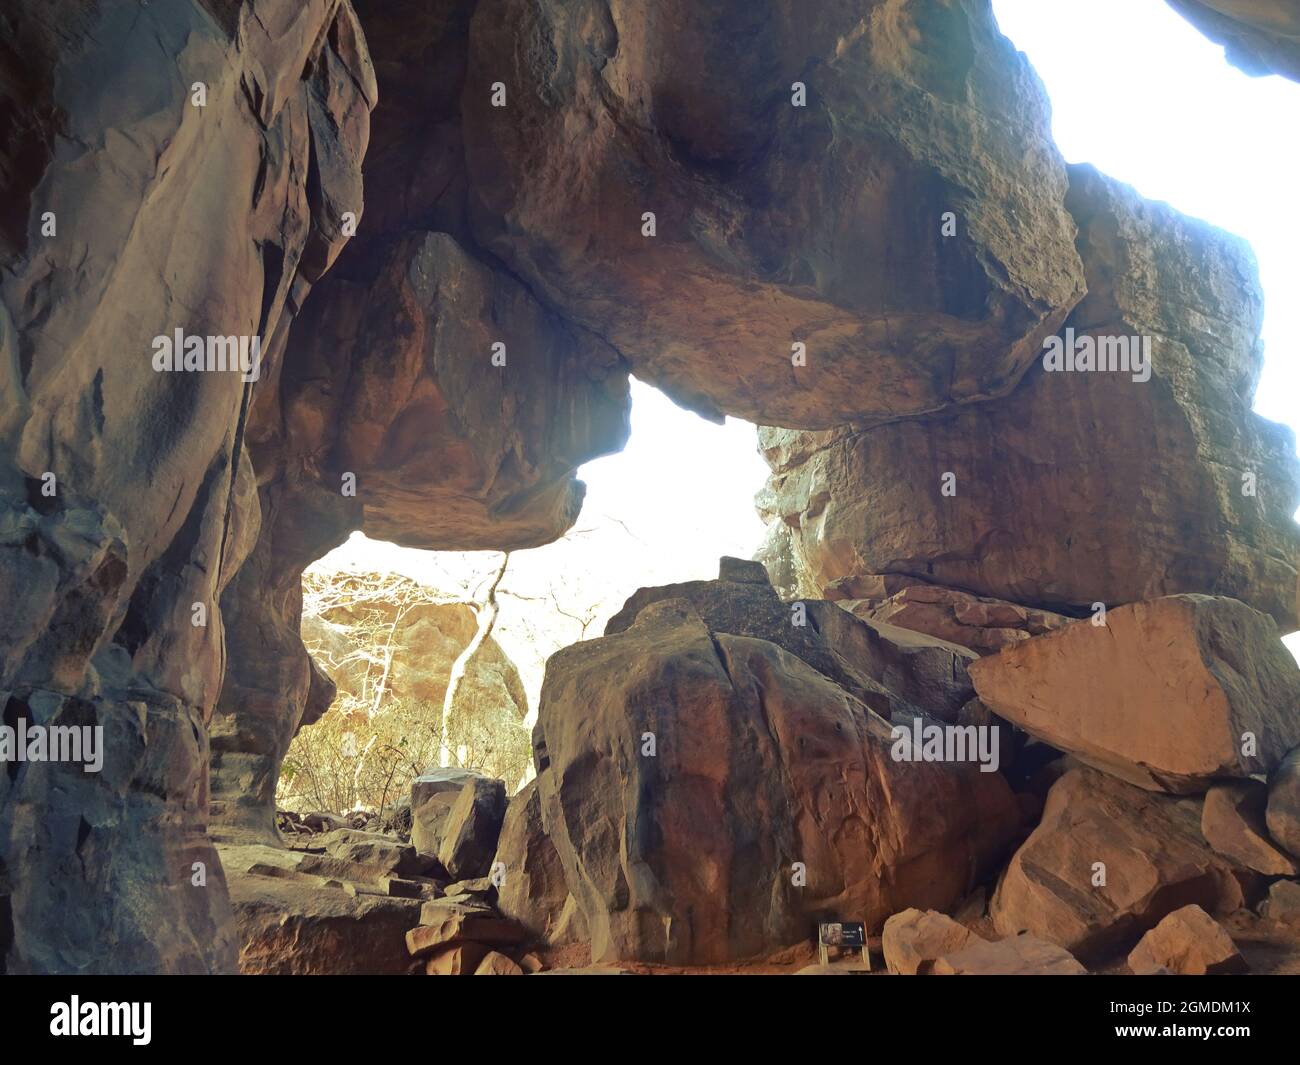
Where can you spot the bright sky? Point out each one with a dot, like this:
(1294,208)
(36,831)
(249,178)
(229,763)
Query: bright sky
(1136,91)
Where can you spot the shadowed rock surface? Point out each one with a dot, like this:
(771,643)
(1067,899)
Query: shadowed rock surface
(640,730)
(1106,863)
(215,220)
(1259,36)
(776,223)
(201,164)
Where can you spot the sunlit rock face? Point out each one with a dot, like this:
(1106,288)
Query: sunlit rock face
(1259,36)
(774,223)
(135,206)
(1082,486)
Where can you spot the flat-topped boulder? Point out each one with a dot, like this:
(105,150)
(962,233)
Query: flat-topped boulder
(1173,694)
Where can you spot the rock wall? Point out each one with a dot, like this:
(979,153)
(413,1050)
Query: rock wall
(779,218)
(128,501)
(388,391)
(1079,487)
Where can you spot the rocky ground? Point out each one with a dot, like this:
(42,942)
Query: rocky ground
(1108,843)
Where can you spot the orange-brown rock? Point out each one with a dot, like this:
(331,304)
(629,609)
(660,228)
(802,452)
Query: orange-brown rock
(1078,487)
(896,672)
(1171,694)
(443,924)
(641,730)
(1283,903)
(913,940)
(1021,955)
(447,450)
(533,890)
(1106,863)
(299,925)
(982,624)
(775,223)
(1189,942)
(1232,822)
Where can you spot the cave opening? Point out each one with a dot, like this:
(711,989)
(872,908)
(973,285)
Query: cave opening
(395,627)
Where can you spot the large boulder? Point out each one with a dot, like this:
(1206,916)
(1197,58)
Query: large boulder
(1079,487)
(433,794)
(127,499)
(1172,694)
(895,672)
(1106,863)
(1022,955)
(810,815)
(776,223)
(469,837)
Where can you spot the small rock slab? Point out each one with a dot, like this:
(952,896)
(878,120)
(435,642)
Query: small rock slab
(1189,942)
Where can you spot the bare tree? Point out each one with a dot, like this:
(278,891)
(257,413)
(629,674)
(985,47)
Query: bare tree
(487,618)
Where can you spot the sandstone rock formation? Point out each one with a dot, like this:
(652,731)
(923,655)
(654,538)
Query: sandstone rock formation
(846,220)
(1232,822)
(1107,862)
(810,814)
(1189,942)
(389,380)
(1283,903)
(1079,487)
(1170,694)
(469,838)
(912,941)
(1021,955)
(776,223)
(982,624)
(1259,36)
(533,890)
(132,212)
(433,794)
(892,671)
(298,915)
